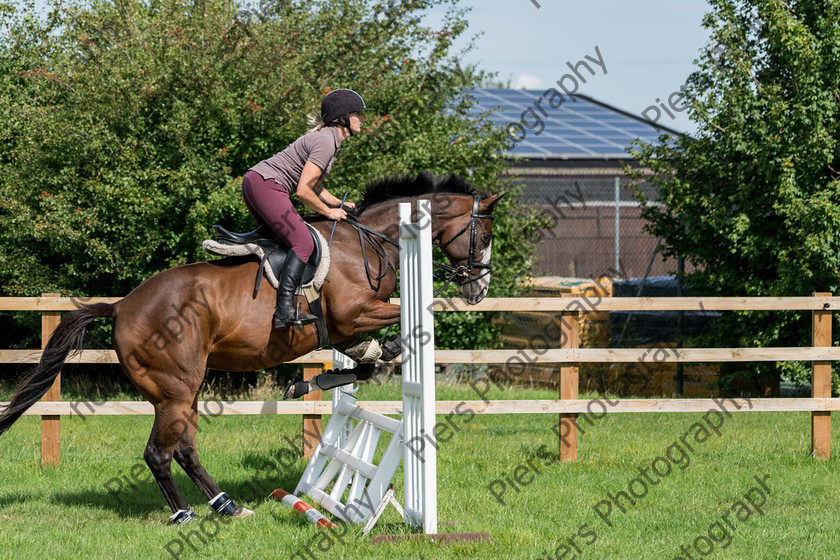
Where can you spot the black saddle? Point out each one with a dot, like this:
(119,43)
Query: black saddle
(275,250)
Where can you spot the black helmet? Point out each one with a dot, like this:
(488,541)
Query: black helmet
(340,103)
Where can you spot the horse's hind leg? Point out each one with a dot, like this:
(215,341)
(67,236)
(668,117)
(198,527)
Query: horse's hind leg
(186,454)
(166,433)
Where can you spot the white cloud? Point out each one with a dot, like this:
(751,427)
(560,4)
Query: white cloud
(527,81)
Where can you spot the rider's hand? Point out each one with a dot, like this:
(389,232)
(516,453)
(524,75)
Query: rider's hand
(348,204)
(335,214)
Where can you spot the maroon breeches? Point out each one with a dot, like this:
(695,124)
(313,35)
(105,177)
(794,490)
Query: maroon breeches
(269,204)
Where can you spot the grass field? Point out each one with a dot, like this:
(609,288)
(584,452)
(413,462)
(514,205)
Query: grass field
(705,498)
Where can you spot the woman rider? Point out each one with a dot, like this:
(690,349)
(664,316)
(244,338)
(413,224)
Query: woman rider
(301,168)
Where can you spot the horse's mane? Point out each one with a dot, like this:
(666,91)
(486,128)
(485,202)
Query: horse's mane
(402,186)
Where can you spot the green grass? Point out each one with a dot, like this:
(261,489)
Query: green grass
(66,512)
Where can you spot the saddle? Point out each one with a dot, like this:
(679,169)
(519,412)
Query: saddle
(271,252)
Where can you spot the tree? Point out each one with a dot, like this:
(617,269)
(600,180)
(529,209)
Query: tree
(130,123)
(753,201)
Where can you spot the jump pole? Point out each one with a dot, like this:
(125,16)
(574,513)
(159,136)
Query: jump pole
(417,333)
(417,330)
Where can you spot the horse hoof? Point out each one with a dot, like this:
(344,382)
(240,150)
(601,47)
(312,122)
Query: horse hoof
(296,389)
(182,516)
(242,513)
(391,349)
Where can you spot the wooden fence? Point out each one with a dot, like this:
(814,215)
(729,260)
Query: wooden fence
(567,355)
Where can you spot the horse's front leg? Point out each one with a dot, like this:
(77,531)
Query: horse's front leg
(375,315)
(352,322)
(379,315)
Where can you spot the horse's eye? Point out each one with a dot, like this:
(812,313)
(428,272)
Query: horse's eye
(487,237)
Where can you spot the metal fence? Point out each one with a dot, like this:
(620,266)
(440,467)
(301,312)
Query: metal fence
(596,228)
(596,245)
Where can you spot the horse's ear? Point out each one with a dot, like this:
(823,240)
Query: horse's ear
(492,200)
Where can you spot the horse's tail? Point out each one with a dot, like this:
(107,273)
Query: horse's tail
(67,336)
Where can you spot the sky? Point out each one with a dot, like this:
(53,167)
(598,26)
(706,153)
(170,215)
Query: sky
(647,46)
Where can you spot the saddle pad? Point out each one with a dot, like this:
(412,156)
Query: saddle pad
(242,250)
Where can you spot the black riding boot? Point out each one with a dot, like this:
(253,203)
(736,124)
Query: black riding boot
(285,315)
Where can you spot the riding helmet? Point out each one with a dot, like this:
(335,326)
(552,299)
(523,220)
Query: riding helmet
(340,103)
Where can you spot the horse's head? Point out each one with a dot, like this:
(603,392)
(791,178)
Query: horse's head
(462,224)
(463,230)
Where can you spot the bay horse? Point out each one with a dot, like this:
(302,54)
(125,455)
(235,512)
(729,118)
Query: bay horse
(175,325)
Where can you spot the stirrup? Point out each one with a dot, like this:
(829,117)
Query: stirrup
(297,319)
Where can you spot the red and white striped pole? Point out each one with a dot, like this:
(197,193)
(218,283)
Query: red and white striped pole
(312,514)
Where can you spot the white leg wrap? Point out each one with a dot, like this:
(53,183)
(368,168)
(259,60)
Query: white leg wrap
(366,351)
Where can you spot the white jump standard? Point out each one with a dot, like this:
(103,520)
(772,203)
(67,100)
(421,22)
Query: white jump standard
(341,476)
(344,457)
(417,331)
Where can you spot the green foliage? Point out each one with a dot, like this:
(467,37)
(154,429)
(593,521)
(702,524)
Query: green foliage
(129,124)
(753,202)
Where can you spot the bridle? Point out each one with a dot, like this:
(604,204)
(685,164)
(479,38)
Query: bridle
(459,274)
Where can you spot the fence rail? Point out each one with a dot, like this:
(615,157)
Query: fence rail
(544,406)
(568,406)
(551,356)
(594,303)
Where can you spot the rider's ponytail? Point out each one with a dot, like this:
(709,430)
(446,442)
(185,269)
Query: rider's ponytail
(314,122)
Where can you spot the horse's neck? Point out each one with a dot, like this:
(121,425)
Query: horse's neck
(384,217)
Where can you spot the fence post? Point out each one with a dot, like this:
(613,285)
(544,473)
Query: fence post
(311,422)
(569,385)
(50,425)
(821,382)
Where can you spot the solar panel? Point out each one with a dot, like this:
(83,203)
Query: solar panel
(576,129)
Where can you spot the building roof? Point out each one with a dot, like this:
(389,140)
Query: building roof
(581,129)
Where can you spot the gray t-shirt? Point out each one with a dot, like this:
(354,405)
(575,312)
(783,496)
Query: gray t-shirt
(286,167)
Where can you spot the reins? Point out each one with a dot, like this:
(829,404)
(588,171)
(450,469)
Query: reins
(369,235)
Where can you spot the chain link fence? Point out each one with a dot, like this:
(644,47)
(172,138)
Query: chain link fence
(596,228)
(596,246)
